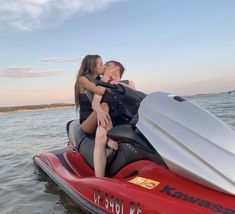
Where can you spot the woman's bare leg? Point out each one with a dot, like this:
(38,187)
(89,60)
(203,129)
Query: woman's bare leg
(90,124)
(100,152)
(111,143)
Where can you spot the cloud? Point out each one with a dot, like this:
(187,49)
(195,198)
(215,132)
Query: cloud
(26,72)
(37,14)
(61,59)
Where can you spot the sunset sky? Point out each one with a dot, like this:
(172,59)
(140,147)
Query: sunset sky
(179,46)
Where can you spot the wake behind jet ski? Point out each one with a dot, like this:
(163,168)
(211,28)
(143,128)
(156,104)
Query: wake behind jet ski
(172,158)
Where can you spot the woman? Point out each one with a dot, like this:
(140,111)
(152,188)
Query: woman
(85,88)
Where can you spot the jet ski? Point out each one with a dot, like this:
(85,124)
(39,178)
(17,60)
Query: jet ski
(173,157)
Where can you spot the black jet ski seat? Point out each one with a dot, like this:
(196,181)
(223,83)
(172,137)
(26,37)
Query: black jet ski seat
(75,133)
(126,134)
(85,143)
(121,134)
(132,146)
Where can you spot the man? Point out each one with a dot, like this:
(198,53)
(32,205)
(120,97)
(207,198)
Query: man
(101,140)
(118,73)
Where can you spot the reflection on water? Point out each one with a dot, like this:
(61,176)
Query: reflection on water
(52,188)
(26,189)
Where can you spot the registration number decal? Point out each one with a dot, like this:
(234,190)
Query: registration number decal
(115,204)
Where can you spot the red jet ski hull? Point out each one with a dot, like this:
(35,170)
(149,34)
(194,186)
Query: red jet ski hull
(140,187)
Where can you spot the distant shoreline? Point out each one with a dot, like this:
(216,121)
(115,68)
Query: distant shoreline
(33,107)
(216,93)
(26,108)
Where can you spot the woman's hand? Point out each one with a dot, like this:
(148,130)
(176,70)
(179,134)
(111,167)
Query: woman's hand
(109,73)
(102,118)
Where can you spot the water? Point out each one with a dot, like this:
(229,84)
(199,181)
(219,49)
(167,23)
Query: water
(26,189)
(221,105)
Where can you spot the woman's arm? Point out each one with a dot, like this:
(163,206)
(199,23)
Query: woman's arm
(102,116)
(96,102)
(90,86)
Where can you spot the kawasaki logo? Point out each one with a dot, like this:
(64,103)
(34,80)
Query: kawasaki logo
(194,200)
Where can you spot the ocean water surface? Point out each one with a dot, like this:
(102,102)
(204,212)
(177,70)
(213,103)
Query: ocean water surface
(26,189)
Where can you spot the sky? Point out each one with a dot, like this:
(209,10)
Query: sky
(182,47)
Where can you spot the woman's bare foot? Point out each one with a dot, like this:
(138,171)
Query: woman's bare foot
(112,144)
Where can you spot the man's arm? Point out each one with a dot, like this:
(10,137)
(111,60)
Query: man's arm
(131,84)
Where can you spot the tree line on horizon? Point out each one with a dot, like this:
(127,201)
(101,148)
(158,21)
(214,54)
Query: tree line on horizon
(34,107)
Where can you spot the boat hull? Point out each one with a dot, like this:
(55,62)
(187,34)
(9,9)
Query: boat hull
(140,187)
